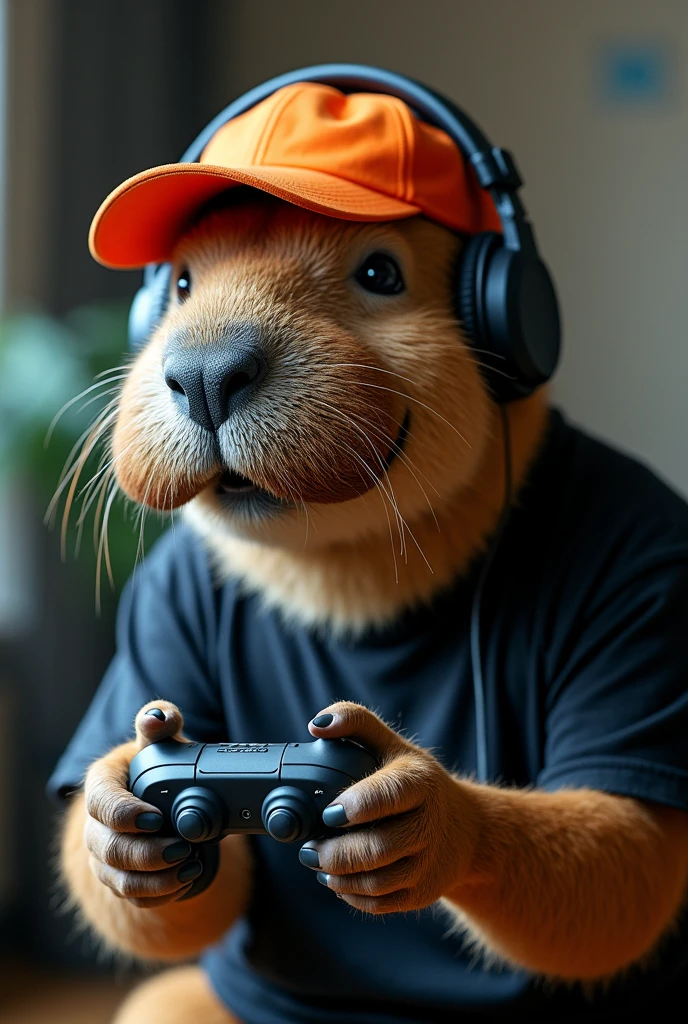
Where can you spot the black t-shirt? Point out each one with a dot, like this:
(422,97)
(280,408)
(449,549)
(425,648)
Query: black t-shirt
(585,660)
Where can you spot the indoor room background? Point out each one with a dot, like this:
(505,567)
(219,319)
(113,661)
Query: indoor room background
(590,96)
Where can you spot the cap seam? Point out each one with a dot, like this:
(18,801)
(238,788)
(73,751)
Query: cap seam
(402,158)
(271,123)
(407,119)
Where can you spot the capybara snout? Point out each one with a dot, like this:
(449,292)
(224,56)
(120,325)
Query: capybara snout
(211,382)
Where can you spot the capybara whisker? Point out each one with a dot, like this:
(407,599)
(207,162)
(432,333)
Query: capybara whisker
(103,546)
(72,401)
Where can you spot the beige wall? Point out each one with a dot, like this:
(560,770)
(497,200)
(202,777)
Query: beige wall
(606,188)
(26,222)
(30,144)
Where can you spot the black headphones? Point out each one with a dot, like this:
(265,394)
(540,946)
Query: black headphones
(505,298)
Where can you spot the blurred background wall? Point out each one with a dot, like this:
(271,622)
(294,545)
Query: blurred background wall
(590,96)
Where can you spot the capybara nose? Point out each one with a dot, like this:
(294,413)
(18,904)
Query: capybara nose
(209,382)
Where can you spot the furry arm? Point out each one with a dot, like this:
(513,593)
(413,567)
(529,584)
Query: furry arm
(118,876)
(575,884)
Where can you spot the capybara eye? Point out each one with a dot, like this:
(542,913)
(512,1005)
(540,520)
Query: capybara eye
(183,285)
(380,274)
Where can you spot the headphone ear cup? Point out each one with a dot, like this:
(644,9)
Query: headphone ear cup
(148,307)
(473,311)
(523,331)
(509,312)
(469,290)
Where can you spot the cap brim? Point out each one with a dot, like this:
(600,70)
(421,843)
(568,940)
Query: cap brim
(142,220)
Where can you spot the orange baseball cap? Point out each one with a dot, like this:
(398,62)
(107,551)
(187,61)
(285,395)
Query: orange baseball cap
(361,157)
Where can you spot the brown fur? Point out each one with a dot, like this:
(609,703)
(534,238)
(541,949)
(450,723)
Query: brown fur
(574,885)
(179,996)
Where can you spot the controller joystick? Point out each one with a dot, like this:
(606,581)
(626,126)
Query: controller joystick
(197,814)
(289,815)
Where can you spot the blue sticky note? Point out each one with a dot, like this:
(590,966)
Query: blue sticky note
(634,74)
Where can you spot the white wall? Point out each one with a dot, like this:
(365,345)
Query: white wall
(607,187)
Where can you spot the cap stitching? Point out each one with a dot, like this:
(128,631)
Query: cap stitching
(218,171)
(271,123)
(402,155)
(310,200)
(407,119)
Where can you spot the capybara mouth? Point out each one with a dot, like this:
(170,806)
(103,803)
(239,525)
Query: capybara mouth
(239,494)
(398,446)
(232,482)
(235,487)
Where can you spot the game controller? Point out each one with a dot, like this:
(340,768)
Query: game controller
(206,791)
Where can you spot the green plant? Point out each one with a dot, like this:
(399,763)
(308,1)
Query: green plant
(56,377)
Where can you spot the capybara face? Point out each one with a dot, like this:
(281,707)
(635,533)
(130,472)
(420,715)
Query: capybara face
(308,383)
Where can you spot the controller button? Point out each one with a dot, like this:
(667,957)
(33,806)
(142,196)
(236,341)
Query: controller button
(192,825)
(283,824)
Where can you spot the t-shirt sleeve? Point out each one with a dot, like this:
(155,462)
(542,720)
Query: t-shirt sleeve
(617,709)
(165,649)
